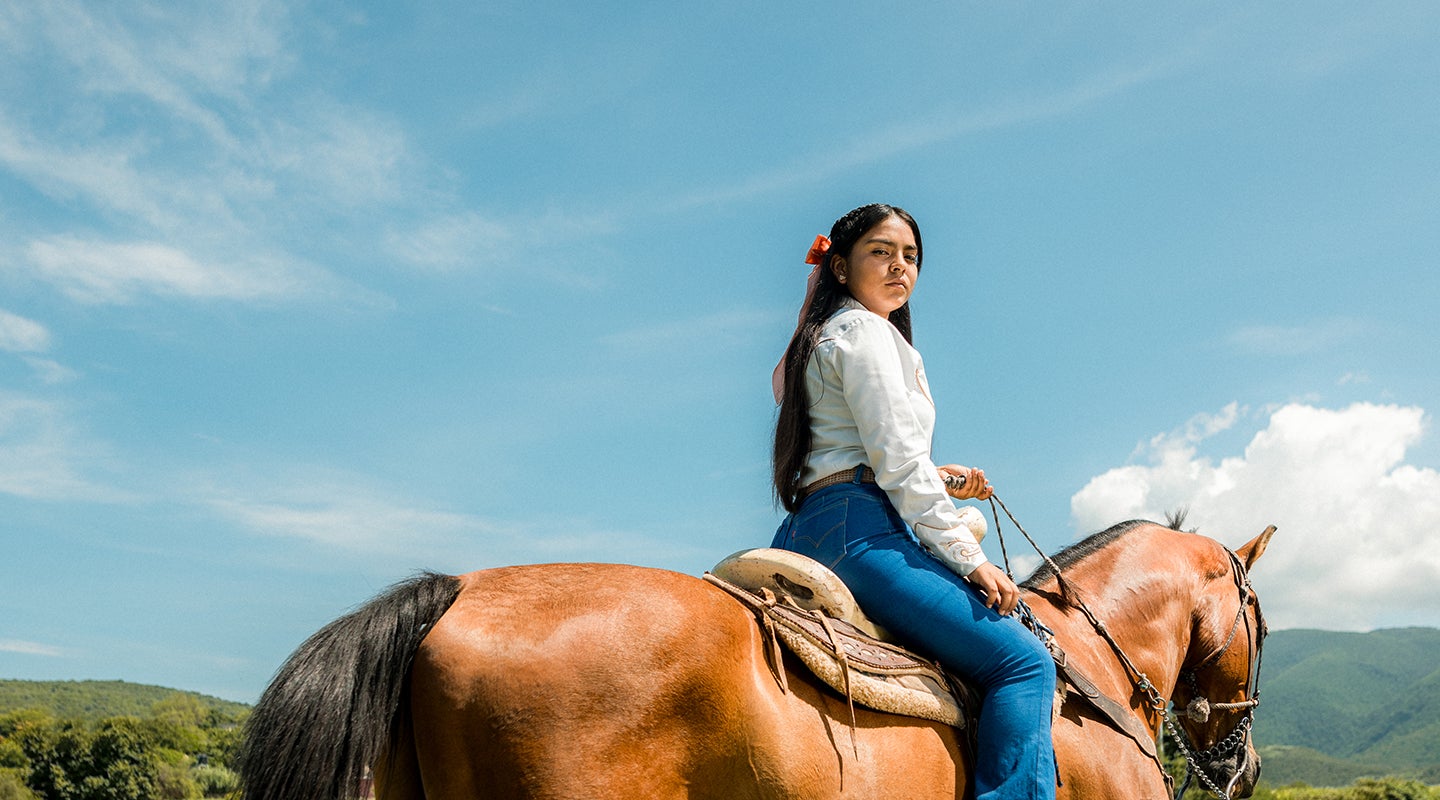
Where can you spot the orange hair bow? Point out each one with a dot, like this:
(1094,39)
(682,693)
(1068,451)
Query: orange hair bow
(818,250)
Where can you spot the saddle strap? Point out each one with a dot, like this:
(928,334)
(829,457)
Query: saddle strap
(1119,715)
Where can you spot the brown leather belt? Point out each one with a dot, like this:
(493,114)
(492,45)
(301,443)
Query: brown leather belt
(843,476)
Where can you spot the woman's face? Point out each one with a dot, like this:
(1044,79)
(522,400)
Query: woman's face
(881,269)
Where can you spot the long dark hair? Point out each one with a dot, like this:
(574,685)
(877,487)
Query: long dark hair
(792,427)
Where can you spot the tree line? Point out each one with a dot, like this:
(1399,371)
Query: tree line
(183,749)
(1386,788)
(180,749)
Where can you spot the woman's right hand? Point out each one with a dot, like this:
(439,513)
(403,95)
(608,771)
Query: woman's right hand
(971,487)
(998,591)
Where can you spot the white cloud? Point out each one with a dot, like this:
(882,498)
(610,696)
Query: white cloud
(120,272)
(20,335)
(335,156)
(339,519)
(170,55)
(876,145)
(452,241)
(1359,540)
(1294,340)
(25,648)
(550,245)
(1350,378)
(353,517)
(343,514)
(219,190)
(107,174)
(49,371)
(43,458)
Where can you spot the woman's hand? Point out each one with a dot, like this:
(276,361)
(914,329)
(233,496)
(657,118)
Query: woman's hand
(973,487)
(998,591)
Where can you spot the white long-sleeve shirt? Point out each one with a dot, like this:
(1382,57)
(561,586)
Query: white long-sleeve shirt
(870,404)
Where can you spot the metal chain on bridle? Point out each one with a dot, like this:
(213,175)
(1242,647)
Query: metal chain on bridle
(1197,763)
(1232,745)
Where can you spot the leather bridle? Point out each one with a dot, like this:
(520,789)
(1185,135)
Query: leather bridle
(1198,709)
(1232,746)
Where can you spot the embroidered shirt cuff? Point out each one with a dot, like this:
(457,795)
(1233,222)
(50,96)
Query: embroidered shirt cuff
(956,547)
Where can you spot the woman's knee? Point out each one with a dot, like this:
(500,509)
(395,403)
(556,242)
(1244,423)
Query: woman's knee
(1027,659)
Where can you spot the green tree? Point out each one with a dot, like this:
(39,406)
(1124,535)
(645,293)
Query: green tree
(12,756)
(223,744)
(1392,789)
(114,762)
(215,781)
(1363,789)
(174,778)
(12,785)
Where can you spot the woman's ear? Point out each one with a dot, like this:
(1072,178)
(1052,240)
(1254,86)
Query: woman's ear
(839,267)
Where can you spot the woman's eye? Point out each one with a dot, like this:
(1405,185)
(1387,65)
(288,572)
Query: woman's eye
(912,258)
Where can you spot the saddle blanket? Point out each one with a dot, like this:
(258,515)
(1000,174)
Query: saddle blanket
(875,674)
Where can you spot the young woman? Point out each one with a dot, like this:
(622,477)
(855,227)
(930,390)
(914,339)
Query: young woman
(852,465)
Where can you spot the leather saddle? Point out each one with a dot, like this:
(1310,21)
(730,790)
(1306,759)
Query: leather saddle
(803,605)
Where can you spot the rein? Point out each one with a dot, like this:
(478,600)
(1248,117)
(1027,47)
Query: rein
(1199,707)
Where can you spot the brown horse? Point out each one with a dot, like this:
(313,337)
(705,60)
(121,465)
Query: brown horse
(609,681)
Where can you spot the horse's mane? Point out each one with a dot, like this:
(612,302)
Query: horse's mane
(1077,552)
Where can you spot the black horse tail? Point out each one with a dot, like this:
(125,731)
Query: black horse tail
(332,707)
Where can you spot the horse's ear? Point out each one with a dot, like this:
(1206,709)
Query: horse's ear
(1251,551)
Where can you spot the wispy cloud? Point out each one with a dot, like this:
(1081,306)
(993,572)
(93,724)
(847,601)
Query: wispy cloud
(470,241)
(339,512)
(1296,340)
(186,209)
(453,241)
(21,335)
(357,518)
(43,457)
(718,329)
(104,174)
(878,145)
(171,56)
(50,372)
(28,337)
(25,648)
(342,519)
(119,272)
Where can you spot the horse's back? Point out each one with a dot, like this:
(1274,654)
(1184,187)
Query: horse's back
(600,680)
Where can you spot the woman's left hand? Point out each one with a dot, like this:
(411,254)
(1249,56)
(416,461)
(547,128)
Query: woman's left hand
(997,591)
(974,486)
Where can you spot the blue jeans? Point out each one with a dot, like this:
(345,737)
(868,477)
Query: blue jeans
(853,529)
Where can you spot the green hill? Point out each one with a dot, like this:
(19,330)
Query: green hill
(1407,730)
(94,700)
(1284,765)
(1335,706)
(1339,705)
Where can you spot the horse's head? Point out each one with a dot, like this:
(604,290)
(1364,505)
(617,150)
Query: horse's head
(1219,685)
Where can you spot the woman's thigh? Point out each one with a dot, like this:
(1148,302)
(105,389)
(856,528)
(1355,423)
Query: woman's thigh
(916,597)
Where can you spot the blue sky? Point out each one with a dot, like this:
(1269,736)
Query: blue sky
(297,299)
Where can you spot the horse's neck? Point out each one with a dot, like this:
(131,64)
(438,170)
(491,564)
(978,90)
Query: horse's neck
(1142,595)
